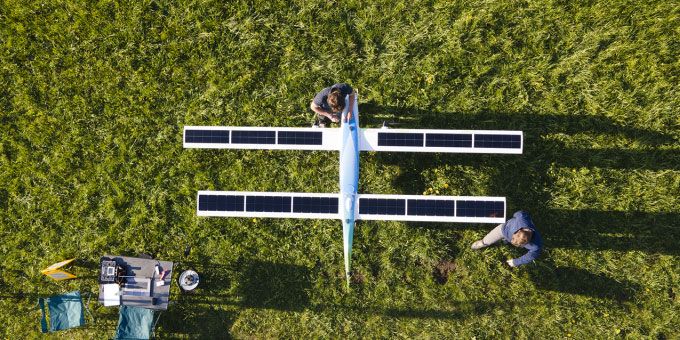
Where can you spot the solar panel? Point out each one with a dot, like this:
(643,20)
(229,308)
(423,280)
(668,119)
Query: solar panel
(268,203)
(400,139)
(431,207)
(324,205)
(450,140)
(480,208)
(220,203)
(300,138)
(498,141)
(207,136)
(253,137)
(379,206)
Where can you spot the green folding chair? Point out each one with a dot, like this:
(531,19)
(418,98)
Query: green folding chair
(65,311)
(135,323)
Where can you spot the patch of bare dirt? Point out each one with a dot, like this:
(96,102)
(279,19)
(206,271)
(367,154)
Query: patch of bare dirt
(357,277)
(442,270)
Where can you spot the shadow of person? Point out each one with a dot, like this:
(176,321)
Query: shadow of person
(650,232)
(547,276)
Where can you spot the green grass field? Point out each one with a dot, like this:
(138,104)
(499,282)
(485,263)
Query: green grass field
(94,97)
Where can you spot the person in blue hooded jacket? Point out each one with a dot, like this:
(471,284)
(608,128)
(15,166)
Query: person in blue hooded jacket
(520,232)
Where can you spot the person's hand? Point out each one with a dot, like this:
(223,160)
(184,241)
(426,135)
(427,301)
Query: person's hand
(334,118)
(510,263)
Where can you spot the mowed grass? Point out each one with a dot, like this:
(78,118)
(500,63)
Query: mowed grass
(93,99)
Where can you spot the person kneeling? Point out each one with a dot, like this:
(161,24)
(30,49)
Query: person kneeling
(330,102)
(520,232)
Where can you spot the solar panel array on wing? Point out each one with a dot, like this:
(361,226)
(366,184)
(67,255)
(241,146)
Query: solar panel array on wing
(381,206)
(449,140)
(400,139)
(268,203)
(321,205)
(207,136)
(300,138)
(220,203)
(253,137)
(431,207)
(480,208)
(498,141)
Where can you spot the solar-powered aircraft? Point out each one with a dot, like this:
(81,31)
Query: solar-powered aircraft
(349,205)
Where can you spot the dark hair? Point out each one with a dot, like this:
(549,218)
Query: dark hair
(335,100)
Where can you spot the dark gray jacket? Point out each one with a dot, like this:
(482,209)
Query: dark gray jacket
(321,98)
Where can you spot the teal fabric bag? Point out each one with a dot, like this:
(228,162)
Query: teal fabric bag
(134,323)
(65,311)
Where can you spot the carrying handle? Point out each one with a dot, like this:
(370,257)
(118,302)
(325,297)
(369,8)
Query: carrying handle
(43,320)
(86,304)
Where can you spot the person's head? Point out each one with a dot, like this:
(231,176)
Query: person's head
(521,237)
(335,100)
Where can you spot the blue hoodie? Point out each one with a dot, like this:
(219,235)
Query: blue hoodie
(518,221)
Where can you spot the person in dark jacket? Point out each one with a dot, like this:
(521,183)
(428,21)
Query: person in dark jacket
(329,103)
(520,232)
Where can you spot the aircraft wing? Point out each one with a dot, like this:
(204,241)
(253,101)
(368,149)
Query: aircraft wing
(268,204)
(274,138)
(451,141)
(473,209)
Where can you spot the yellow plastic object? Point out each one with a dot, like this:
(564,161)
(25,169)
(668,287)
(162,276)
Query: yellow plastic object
(55,273)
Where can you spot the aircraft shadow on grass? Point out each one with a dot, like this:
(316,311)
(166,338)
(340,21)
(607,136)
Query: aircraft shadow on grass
(535,126)
(212,309)
(522,180)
